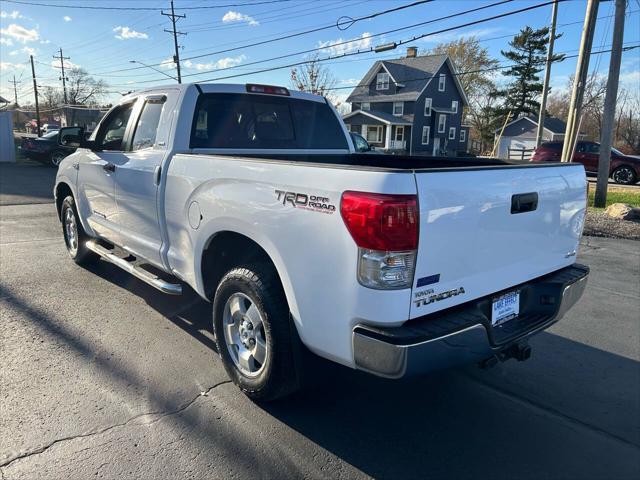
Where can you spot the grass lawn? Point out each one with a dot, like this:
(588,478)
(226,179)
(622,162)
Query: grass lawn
(617,194)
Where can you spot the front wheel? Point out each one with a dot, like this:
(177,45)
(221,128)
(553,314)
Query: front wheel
(624,175)
(253,332)
(75,237)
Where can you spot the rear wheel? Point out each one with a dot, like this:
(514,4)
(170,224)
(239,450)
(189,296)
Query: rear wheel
(56,157)
(253,332)
(624,175)
(75,237)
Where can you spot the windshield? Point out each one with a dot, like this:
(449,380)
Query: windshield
(616,151)
(51,134)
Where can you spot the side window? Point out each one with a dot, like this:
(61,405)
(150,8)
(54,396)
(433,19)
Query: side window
(147,127)
(111,133)
(581,148)
(593,148)
(427,107)
(425,135)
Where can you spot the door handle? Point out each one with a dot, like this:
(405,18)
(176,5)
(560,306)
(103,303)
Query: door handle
(524,202)
(156,175)
(109,167)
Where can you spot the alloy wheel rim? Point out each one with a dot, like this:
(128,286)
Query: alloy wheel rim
(244,334)
(56,158)
(623,175)
(71,230)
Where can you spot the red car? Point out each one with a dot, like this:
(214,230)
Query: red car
(624,169)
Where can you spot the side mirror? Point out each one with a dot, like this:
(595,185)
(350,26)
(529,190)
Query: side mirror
(72,137)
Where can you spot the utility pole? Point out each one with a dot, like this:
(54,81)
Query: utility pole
(15,89)
(609,114)
(63,78)
(35,93)
(547,74)
(174,18)
(580,81)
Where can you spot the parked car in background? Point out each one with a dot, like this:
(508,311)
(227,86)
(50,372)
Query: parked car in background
(624,169)
(45,148)
(49,127)
(361,145)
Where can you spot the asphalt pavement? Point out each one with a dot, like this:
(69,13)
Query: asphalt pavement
(104,377)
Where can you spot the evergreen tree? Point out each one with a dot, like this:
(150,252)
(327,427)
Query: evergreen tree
(528,55)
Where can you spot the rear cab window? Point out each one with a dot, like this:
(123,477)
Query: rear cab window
(249,121)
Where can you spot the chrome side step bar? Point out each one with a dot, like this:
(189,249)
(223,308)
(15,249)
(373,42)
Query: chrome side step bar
(135,269)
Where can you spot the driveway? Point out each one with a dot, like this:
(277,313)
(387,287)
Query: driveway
(104,377)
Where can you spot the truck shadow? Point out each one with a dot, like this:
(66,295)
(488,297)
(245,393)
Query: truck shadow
(552,416)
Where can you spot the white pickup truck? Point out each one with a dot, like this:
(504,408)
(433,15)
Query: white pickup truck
(256,198)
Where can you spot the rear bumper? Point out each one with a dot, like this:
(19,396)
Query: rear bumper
(464,334)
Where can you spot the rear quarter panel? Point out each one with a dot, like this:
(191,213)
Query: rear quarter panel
(312,250)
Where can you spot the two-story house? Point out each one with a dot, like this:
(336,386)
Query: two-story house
(412,104)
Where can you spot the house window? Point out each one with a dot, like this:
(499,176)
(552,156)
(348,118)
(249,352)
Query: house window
(454,106)
(426,133)
(382,81)
(463,135)
(399,134)
(365,106)
(398,108)
(374,133)
(441,82)
(442,122)
(427,107)
(348,125)
(452,133)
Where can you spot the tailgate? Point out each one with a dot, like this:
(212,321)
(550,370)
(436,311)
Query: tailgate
(472,245)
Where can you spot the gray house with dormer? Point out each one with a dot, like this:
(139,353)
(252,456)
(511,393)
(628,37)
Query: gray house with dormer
(411,105)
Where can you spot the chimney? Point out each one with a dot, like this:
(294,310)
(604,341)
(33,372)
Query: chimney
(412,52)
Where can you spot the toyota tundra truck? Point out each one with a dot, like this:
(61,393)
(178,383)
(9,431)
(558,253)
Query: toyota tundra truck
(255,197)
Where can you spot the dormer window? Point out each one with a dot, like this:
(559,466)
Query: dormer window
(441,82)
(454,106)
(365,106)
(382,81)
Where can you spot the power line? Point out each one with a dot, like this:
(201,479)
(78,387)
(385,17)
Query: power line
(305,32)
(491,69)
(92,7)
(401,42)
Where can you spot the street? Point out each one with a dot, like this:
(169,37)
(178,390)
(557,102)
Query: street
(102,376)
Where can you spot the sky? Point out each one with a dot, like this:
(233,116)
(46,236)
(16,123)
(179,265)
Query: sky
(218,32)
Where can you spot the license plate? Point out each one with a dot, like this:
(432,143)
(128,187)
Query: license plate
(505,308)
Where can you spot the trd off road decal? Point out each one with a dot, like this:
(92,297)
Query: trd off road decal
(425,297)
(304,201)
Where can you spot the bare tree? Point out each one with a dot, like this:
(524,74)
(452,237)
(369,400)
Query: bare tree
(474,67)
(313,77)
(49,97)
(83,89)
(628,131)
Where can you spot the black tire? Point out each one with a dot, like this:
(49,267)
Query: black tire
(77,250)
(56,157)
(624,175)
(257,285)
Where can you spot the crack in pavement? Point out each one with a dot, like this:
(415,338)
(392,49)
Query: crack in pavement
(160,416)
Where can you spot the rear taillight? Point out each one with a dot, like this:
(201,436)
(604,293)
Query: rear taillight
(385,228)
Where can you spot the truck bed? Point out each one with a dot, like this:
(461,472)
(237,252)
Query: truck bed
(382,161)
